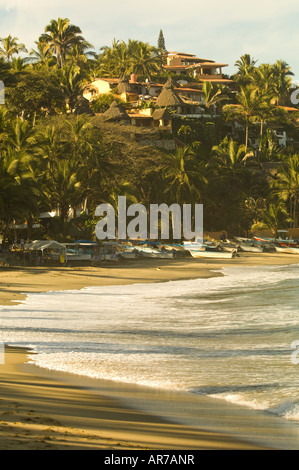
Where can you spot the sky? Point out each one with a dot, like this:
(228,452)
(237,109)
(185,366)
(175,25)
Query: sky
(218,30)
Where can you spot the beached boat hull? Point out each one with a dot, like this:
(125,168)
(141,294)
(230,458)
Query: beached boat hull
(246,247)
(229,247)
(213,254)
(279,241)
(243,240)
(165,255)
(289,250)
(127,255)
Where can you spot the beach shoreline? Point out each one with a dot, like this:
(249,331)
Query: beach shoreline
(42,409)
(46,410)
(17,282)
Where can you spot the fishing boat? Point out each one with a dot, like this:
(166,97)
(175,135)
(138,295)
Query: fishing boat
(256,245)
(263,240)
(79,251)
(286,243)
(213,254)
(243,240)
(279,241)
(197,245)
(228,246)
(251,248)
(157,254)
(287,249)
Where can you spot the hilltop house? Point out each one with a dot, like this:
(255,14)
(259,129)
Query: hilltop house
(131,91)
(153,104)
(202,69)
(134,91)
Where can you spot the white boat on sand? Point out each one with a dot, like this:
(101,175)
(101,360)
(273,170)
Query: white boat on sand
(213,254)
(147,252)
(251,248)
(289,250)
(228,246)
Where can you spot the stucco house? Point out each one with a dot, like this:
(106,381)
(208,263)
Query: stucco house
(202,69)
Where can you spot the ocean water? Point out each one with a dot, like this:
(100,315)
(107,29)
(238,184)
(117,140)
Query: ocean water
(230,337)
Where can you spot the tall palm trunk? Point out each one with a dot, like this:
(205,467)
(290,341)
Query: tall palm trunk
(262,127)
(247,133)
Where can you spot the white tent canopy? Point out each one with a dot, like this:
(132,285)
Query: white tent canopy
(45,245)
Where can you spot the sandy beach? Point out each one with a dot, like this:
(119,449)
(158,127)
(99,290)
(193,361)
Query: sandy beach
(41,410)
(16,283)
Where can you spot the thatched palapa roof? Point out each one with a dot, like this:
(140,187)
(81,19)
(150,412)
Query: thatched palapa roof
(115,113)
(162,113)
(168,96)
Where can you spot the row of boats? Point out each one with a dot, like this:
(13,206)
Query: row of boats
(208,249)
(228,249)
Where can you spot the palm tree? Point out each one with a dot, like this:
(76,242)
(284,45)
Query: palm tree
(145,59)
(80,134)
(263,78)
(18,64)
(269,149)
(10,47)
(231,155)
(228,166)
(21,136)
(286,185)
(72,83)
(136,56)
(42,56)
(249,107)
(282,82)
(246,66)
(49,145)
(274,218)
(19,195)
(115,60)
(213,94)
(263,81)
(63,189)
(80,53)
(4,127)
(59,37)
(184,176)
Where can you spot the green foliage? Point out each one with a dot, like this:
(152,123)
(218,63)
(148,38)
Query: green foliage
(36,92)
(161,42)
(10,47)
(103,102)
(59,37)
(275,217)
(53,159)
(134,57)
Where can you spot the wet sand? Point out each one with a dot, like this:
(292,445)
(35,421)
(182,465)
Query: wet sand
(42,410)
(45,411)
